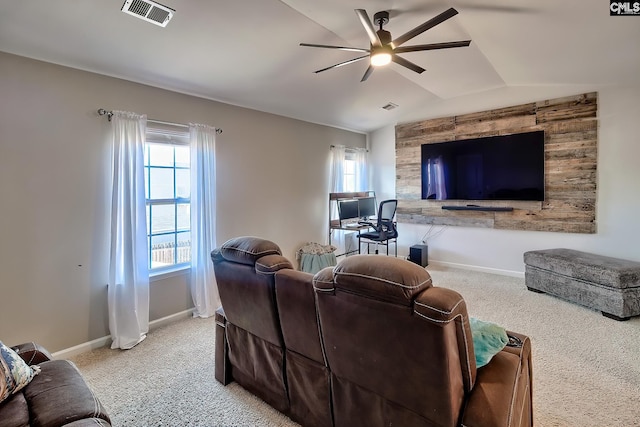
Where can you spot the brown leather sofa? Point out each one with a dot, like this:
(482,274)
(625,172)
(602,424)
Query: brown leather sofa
(369,342)
(57,396)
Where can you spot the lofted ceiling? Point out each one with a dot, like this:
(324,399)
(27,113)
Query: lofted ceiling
(247,53)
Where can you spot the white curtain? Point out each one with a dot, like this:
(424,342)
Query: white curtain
(361,169)
(337,174)
(128,292)
(204,289)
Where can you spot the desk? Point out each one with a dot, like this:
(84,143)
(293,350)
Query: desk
(350,224)
(335,225)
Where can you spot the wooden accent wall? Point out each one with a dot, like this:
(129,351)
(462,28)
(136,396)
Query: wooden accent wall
(571,140)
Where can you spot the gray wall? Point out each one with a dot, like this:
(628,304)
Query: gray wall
(272,182)
(500,251)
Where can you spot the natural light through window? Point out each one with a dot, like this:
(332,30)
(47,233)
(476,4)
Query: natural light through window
(349,183)
(167,187)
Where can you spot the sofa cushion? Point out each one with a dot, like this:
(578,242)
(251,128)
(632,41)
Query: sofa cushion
(387,279)
(14,411)
(247,249)
(58,395)
(14,372)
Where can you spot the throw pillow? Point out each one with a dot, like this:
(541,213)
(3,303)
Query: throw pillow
(14,372)
(488,340)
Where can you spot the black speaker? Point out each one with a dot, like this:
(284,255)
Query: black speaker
(419,254)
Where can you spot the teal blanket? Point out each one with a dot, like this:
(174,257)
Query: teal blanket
(312,263)
(488,340)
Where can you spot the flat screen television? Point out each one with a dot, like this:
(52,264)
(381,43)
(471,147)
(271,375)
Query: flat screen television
(505,167)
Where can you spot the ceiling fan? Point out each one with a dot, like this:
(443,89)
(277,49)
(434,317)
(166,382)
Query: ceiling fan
(383,49)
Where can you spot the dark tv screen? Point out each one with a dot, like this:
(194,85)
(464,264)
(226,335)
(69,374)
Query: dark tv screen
(505,167)
(367,207)
(348,209)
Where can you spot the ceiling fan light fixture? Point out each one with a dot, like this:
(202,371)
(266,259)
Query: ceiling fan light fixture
(383,49)
(380,57)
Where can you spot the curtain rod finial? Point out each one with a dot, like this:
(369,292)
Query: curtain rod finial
(103,112)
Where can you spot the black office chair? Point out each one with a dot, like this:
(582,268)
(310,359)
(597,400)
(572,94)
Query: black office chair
(385,227)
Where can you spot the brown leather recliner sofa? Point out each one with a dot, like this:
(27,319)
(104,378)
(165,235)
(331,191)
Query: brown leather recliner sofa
(56,396)
(369,342)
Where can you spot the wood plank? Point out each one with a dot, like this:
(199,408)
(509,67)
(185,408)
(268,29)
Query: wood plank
(568,101)
(409,156)
(567,194)
(417,141)
(463,222)
(587,205)
(410,192)
(510,124)
(579,112)
(567,126)
(582,153)
(497,114)
(349,195)
(558,138)
(550,214)
(550,226)
(559,165)
(414,129)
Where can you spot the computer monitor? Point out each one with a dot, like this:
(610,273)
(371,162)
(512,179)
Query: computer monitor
(366,207)
(348,209)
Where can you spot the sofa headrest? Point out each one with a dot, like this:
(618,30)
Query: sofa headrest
(271,263)
(382,278)
(247,249)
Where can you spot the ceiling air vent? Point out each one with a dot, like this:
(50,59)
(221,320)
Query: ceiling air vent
(149,11)
(389,106)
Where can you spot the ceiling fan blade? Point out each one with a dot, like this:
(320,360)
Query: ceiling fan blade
(367,73)
(368,27)
(432,46)
(425,26)
(350,49)
(351,61)
(408,64)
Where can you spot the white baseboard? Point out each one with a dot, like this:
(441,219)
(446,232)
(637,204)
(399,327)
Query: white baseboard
(155,324)
(501,272)
(105,341)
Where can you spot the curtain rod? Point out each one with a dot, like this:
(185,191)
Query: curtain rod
(109,114)
(351,148)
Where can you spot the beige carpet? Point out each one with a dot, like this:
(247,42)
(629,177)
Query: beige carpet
(586,367)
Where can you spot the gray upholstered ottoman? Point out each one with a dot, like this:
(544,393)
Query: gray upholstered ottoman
(610,285)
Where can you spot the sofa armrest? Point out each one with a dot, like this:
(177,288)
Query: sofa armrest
(502,395)
(32,353)
(223,365)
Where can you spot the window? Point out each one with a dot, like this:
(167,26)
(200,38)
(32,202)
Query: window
(349,183)
(168,192)
(355,170)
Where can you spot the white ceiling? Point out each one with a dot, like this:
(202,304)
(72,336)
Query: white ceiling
(247,53)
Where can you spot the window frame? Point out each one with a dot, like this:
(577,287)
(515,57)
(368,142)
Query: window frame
(349,172)
(173,138)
